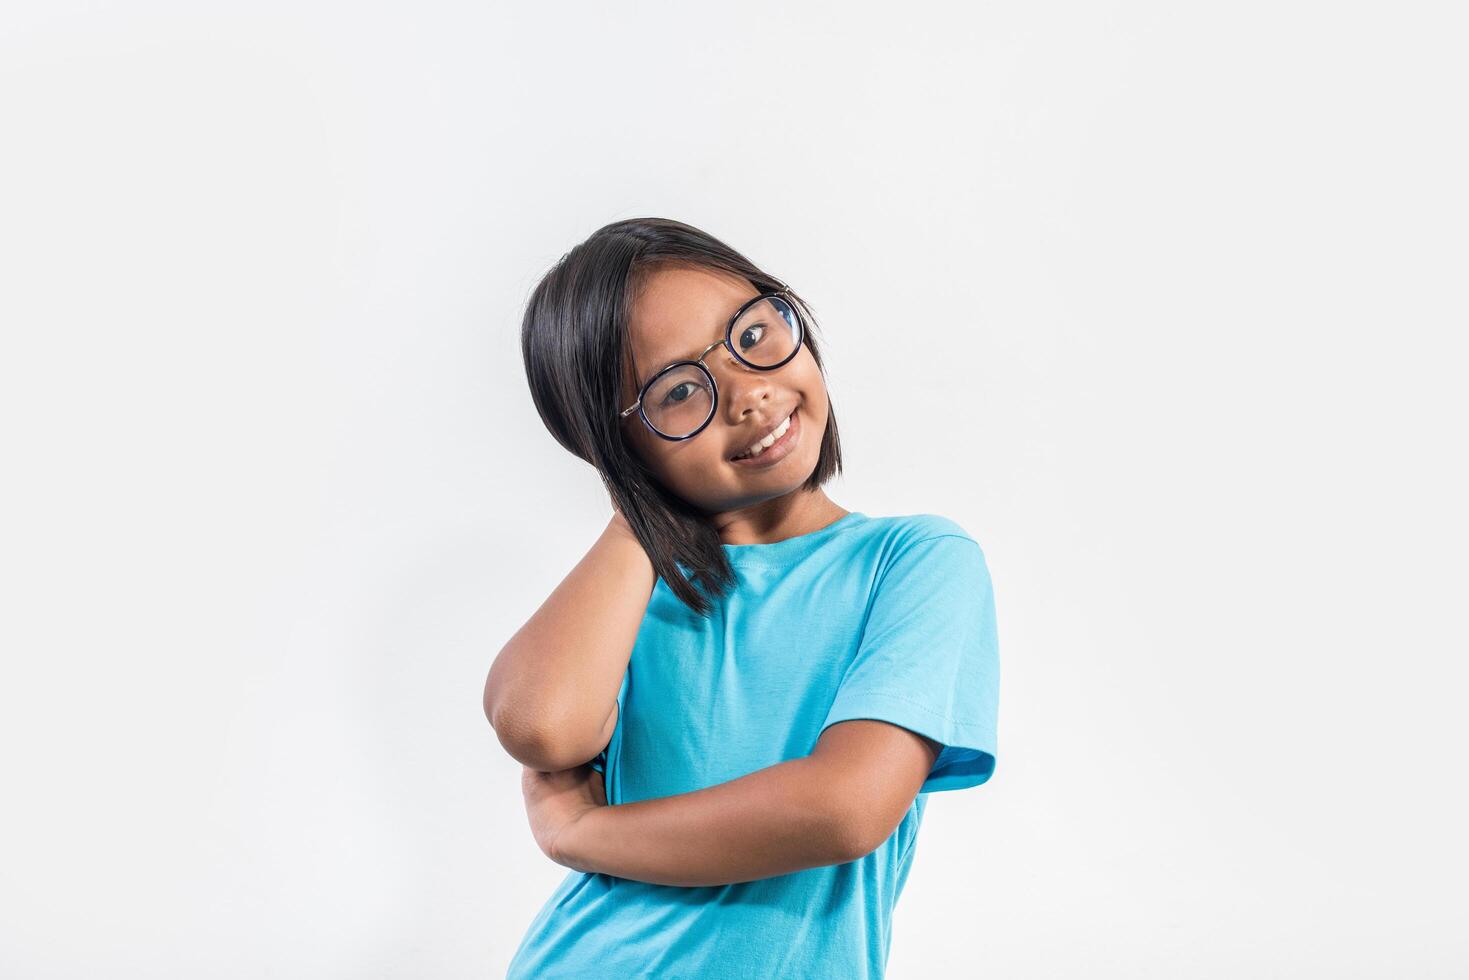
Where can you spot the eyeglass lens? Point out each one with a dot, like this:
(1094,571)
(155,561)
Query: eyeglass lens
(679,400)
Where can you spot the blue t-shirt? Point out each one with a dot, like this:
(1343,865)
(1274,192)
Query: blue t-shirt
(889,618)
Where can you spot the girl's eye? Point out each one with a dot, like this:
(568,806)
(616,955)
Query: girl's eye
(672,398)
(758,330)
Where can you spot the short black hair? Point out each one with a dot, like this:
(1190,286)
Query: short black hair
(575,340)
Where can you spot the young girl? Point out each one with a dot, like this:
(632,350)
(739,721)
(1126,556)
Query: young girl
(731,710)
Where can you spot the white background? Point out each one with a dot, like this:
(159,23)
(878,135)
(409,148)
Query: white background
(1164,303)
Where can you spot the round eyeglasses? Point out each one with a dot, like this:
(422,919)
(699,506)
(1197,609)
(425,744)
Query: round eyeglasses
(680,400)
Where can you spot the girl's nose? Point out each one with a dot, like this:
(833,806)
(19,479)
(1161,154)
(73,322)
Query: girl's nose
(742,388)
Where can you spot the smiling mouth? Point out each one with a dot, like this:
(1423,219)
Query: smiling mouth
(777,449)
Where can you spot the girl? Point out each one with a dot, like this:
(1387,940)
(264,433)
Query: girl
(731,710)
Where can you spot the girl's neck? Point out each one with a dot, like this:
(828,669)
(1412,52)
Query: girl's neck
(798,512)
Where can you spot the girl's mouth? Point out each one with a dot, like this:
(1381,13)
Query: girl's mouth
(777,450)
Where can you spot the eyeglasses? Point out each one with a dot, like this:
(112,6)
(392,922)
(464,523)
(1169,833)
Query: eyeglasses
(680,400)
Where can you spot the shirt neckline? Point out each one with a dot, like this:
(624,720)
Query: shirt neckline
(792,547)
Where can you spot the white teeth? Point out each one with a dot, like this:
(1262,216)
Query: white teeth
(765,443)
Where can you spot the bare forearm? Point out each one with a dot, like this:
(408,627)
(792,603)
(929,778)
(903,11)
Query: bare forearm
(771,822)
(557,677)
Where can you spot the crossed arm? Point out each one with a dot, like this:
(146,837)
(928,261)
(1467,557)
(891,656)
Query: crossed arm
(832,806)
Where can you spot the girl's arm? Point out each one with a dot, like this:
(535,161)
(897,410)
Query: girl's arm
(830,807)
(551,694)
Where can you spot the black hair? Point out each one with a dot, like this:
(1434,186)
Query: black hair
(575,340)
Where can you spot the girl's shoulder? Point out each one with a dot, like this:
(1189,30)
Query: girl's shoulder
(938,550)
(908,529)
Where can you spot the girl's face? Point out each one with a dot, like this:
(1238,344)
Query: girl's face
(680,311)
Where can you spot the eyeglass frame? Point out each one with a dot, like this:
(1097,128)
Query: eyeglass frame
(698,362)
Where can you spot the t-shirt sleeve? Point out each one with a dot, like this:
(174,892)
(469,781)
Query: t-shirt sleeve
(928,659)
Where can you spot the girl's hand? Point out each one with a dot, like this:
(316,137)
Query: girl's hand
(556,800)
